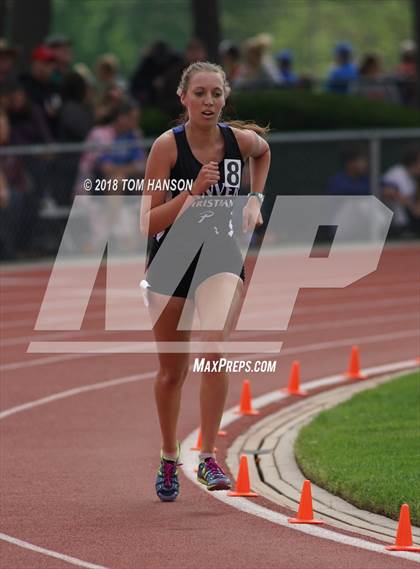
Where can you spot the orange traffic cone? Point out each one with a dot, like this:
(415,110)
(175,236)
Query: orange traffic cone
(404,539)
(199,442)
(242,487)
(305,513)
(354,365)
(293,387)
(245,405)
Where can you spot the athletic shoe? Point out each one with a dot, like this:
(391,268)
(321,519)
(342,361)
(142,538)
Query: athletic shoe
(211,475)
(167,483)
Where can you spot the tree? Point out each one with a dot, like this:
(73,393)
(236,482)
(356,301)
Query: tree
(28,24)
(205,15)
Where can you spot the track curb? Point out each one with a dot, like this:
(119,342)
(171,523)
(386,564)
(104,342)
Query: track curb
(276,475)
(275,516)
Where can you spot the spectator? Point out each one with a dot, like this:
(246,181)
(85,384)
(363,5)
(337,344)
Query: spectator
(195,51)
(371,84)
(8,56)
(124,159)
(17,214)
(167,84)
(147,78)
(230,60)
(34,173)
(83,70)
(62,48)
(351,215)
(353,179)
(107,73)
(344,72)
(75,118)
(258,70)
(287,76)
(27,122)
(106,105)
(406,73)
(39,86)
(122,130)
(400,190)
(99,136)
(407,65)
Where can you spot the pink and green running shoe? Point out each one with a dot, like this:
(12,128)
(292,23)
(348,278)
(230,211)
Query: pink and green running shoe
(167,483)
(211,475)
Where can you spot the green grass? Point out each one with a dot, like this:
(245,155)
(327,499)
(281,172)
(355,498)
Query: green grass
(367,449)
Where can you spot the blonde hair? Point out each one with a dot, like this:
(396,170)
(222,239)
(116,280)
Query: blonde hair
(198,67)
(207,66)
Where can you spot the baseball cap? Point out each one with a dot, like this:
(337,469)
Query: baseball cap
(343,47)
(284,55)
(42,53)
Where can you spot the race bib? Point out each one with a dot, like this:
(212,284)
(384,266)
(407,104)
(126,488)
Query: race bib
(232,173)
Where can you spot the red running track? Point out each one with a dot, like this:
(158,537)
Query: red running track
(77,473)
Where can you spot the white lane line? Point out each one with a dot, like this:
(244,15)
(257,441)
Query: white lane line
(350,341)
(86,388)
(75,391)
(293,329)
(270,251)
(337,323)
(265,299)
(42,361)
(55,554)
(284,352)
(263,289)
(95,315)
(228,418)
(273,301)
(189,462)
(328,308)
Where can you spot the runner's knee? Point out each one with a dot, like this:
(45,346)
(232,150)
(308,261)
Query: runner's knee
(172,377)
(216,339)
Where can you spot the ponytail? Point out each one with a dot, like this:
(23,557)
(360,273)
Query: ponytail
(249,125)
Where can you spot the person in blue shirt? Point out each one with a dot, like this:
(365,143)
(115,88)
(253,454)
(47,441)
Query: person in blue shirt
(353,180)
(285,63)
(125,158)
(344,72)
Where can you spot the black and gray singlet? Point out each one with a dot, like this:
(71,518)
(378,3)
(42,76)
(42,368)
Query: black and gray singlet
(209,218)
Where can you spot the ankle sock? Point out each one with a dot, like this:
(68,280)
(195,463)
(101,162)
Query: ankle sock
(170,456)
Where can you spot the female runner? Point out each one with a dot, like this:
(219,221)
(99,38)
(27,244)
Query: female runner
(211,153)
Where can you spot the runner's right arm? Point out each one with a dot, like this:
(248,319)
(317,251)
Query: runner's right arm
(156,213)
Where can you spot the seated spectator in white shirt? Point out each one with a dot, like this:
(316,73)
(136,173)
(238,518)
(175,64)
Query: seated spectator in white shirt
(400,191)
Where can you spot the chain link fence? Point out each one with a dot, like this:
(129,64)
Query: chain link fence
(38,184)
